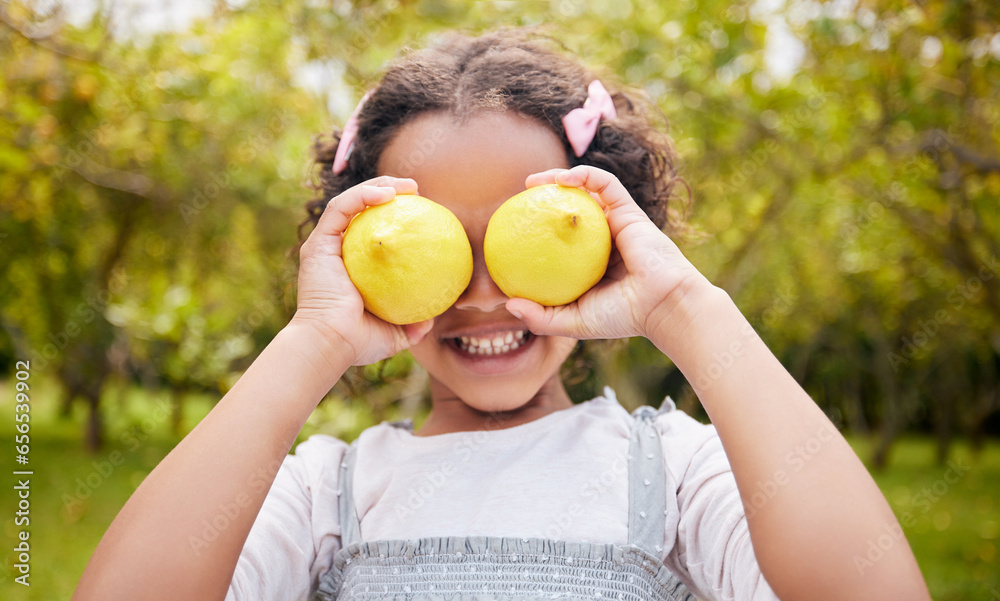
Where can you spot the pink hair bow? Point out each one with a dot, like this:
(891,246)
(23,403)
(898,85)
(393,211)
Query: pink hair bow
(346,145)
(581,124)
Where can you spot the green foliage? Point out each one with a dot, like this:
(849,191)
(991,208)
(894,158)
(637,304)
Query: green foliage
(846,179)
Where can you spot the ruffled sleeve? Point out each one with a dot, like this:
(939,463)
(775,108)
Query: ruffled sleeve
(707,543)
(297,532)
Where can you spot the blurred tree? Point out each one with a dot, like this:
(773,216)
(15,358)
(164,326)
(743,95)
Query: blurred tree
(843,159)
(148,187)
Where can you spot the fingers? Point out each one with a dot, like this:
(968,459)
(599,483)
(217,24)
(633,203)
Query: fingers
(415,332)
(604,184)
(608,187)
(543,320)
(342,208)
(406,336)
(621,209)
(539,179)
(402,185)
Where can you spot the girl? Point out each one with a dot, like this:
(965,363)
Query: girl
(509,490)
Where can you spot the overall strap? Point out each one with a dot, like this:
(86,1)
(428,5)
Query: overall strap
(350,523)
(647,482)
(350,526)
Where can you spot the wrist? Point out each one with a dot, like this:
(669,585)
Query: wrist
(706,336)
(321,347)
(679,316)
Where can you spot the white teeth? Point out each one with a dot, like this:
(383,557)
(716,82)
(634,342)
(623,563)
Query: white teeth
(500,343)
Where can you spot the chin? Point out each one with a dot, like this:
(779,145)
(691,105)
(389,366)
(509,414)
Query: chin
(498,400)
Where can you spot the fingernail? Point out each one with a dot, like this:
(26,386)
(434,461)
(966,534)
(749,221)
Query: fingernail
(517,314)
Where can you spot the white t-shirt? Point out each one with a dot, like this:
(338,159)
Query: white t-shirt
(561,476)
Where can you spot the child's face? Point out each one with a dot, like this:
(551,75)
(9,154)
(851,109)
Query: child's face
(472,168)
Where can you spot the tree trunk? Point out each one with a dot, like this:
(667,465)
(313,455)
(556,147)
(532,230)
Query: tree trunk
(176,411)
(893,419)
(944,410)
(986,404)
(93,437)
(977,435)
(854,409)
(888,431)
(66,405)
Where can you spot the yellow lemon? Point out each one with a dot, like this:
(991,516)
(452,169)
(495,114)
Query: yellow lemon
(549,244)
(409,258)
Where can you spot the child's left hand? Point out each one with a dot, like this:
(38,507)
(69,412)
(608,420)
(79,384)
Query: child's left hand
(645,269)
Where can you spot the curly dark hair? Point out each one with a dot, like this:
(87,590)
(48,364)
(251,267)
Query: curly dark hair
(519,70)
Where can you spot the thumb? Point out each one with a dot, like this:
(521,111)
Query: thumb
(415,332)
(545,321)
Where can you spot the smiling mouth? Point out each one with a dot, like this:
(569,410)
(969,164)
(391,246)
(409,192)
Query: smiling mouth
(498,343)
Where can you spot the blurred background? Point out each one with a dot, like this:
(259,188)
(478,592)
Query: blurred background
(843,159)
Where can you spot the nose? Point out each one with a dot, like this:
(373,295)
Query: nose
(482,293)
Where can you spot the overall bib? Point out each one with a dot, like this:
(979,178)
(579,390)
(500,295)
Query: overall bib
(488,568)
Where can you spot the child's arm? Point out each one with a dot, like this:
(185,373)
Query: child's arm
(826,509)
(156,546)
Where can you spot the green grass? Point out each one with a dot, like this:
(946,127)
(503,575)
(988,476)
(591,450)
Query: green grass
(950,514)
(953,526)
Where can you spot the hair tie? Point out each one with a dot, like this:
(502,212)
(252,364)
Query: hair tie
(346,144)
(581,124)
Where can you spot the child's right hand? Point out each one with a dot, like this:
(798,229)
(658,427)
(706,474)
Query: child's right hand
(328,301)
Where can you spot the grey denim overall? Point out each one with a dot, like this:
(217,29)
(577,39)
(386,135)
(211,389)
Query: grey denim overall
(488,568)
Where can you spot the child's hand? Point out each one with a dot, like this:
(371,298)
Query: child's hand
(646,267)
(327,299)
